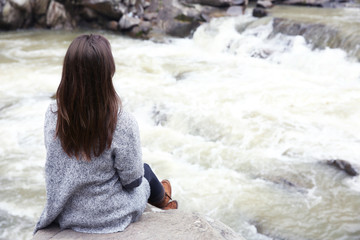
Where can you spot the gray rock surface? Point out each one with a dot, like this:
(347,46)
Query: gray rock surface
(57,17)
(137,18)
(155,224)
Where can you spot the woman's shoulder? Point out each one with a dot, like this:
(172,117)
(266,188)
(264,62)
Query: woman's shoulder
(52,108)
(126,120)
(125,116)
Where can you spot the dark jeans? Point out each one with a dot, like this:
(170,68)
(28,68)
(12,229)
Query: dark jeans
(156,188)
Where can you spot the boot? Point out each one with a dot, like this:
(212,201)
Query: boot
(171,205)
(165,202)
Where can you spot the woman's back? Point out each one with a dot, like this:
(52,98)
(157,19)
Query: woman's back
(88,196)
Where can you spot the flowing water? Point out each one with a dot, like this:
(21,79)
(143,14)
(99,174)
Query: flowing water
(239,118)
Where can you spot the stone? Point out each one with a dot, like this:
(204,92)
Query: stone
(239,2)
(15,14)
(344,166)
(155,224)
(259,12)
(234,11)
(127,22)
(11,17)
(145,26)
(40,6)
(179,28)
(314,3)
(108,8)
(56,17)
(318,35)
(112,25)
(23,5)
(214,3)
(264,4)
(150,16)
(88,14)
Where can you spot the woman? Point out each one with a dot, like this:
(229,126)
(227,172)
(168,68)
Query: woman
(96,181)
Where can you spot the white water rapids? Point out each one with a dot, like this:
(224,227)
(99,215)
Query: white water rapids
(243,139)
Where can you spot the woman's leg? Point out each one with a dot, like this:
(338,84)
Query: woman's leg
(160,192)
(157,192)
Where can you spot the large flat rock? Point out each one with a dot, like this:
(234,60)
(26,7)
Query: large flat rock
(155,224)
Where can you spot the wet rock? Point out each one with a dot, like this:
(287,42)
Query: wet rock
(313,3)
(139,18)
(112,9)
(15,14)
(155,224)
(39,10)
(40,6)
(261,53)
(235,11)
(173,18)
(150,16)
(214,3)
(88,14)
(11,17)
(145,26)
(180,28)
(141,31)
(182,76)
(264,4)
(127,22)
(298,182)
(344,166)
(56,17)
(112,25)
(319,35)
(158,115)
(23,5)
(259,12)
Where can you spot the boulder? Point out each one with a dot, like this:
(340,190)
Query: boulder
(343,166)
(57,17)
(313,3)
(15,14)
(40,6)
(264,4)
(259,12)
(155,224)
(112,25)
(23,5)
(11,17)
(319,35)
(214,3)
(137,18)
(235,10)
(112,9)
(128,22)
(173,18)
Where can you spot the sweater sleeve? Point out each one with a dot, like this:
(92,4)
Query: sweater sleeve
(127,152)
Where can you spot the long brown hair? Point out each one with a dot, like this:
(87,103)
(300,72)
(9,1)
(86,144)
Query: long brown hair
(86,98)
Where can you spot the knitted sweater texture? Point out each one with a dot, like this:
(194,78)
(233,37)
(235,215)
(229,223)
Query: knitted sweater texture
(88,196)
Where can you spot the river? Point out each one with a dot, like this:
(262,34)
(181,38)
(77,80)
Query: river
(240,122)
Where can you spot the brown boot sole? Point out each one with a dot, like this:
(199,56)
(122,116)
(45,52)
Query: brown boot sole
(171,205)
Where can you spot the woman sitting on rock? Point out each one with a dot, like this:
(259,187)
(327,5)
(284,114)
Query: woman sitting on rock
(96,181)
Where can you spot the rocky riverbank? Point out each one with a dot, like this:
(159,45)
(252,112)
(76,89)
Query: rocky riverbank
(155,224)
(137,18)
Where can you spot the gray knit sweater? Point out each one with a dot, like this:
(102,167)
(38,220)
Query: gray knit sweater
(89,196)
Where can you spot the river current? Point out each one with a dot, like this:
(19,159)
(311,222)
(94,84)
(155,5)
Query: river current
(241,124)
